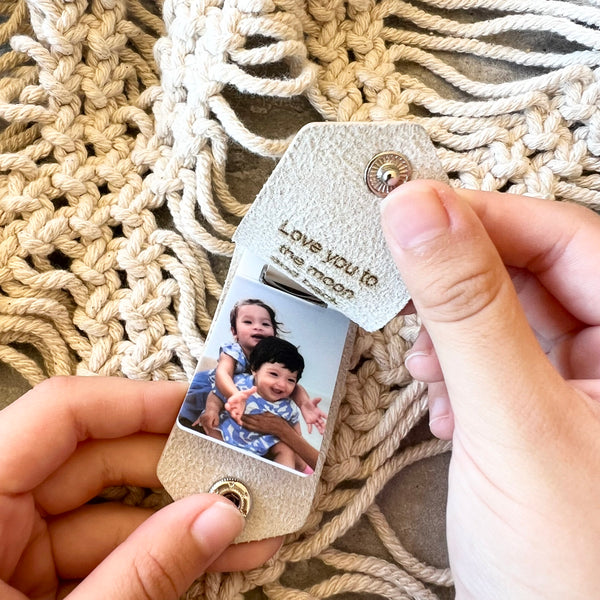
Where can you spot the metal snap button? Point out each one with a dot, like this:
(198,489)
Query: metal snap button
(386,171)
(235,491)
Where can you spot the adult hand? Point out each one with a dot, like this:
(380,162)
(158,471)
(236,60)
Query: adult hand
(208,420)
(268,423)
(60,445)
(523,517)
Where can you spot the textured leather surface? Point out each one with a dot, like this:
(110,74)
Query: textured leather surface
(281,500)
(316,219)
(319,220)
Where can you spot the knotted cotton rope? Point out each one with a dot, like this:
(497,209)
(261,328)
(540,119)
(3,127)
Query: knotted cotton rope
(116,213)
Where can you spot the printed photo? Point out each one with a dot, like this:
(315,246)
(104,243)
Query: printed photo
(265,382)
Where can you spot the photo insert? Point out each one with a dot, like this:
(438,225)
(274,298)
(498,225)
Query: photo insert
(265,382)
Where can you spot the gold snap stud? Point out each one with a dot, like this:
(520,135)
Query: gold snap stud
(235,491)
(386,171)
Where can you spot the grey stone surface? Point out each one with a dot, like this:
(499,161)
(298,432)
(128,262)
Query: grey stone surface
(13,385)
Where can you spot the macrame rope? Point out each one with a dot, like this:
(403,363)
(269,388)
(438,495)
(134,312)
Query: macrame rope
(115,202)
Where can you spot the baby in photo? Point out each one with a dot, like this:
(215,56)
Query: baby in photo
(276,366)
(251,321)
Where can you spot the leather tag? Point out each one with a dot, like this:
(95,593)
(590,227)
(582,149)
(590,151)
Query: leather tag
(317,221)
(277,494)
(310,263)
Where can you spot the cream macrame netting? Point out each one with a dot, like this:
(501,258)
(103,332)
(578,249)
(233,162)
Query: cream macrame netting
(115,201)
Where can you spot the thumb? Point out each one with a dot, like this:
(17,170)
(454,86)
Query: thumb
(163,557)
(490,358)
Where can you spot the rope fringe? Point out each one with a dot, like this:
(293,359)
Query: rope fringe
(115,205)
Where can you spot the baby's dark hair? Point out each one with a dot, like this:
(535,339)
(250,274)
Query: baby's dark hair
(253,302)
(275,350)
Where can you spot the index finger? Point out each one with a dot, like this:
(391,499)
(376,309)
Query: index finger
(40,430)
(558,242)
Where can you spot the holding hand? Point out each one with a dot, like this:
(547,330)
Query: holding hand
(523,517)
(208,420)
(60,445)
(268,423)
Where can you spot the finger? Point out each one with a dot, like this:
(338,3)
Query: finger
(548,318)
(68,410)
(163,556)
(309,427)
(235,414)
(249,422)
(257,423)
(246,556)
(422,361)
(8,592)
(583,354)
(469,306)
(21,530)
(441,417)
(82,539)
(590,390)
(98,464)
(552,324)
(548,239)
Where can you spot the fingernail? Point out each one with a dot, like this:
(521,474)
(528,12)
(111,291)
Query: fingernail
(217,526)
(435,420)
(411,356)
(438,409)
(414,214)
